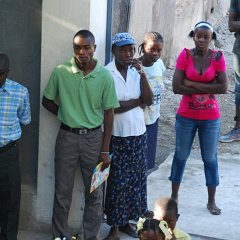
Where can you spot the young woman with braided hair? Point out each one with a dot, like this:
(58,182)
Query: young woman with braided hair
(150,52)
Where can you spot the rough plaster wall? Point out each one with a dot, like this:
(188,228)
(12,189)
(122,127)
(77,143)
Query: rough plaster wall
(163,21)
(187,14)
(219,9)
(174,19)
(140,23)
(121,10)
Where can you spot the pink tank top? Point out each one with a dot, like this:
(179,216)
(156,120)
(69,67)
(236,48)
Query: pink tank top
(199,106)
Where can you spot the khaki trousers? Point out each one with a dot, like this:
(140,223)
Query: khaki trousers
(71,151)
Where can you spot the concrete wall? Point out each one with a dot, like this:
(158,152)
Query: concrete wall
(174,19)
(164,20)
(120,8)
(187,14)
(20,39)
(58,29)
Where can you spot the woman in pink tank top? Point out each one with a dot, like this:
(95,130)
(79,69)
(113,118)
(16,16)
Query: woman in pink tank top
(200,74)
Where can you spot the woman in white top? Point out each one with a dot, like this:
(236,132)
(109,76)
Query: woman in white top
(126,197)
(150,51)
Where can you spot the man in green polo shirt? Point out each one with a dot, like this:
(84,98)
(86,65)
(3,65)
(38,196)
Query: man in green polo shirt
(86,95)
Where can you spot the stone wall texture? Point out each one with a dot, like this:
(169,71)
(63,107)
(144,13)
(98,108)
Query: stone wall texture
(174,19)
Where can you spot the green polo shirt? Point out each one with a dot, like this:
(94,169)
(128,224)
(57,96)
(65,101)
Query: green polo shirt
(82,99)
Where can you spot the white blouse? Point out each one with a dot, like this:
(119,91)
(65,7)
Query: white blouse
(130,123)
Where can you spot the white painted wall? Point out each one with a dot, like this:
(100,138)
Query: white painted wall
(60,22)
(98,25)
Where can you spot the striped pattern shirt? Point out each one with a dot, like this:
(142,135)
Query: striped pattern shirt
(14,111)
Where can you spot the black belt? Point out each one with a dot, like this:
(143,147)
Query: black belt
(78,131)
(8,146)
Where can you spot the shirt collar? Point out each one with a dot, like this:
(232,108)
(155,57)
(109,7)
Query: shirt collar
(93,73)
(113,66)
(6,86)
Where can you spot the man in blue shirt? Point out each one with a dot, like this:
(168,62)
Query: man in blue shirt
(14,112)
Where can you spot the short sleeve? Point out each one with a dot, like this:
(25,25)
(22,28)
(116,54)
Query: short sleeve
(162,66)
(221,64)
(51,90)
(110,99)
(182,62)
(23,112)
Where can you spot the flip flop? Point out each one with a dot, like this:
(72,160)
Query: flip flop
(214,210)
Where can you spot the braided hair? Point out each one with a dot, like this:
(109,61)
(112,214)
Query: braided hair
(150,36)
(150,224)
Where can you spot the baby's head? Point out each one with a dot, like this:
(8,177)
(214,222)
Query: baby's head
(166,209)
(152,229)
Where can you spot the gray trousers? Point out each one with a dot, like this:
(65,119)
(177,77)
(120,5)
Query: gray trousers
(72,149)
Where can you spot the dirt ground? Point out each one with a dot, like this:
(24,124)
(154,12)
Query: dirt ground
(166,134)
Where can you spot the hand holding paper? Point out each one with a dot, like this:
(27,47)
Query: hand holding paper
(99,176)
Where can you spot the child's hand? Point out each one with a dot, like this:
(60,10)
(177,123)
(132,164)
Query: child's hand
(173,236)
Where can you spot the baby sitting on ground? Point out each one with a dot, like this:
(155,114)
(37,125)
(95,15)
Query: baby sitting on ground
(166,209)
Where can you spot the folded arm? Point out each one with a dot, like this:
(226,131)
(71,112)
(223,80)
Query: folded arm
(128,105)
(183,86)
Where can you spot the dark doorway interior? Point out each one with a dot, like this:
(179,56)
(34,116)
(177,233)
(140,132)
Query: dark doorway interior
(20,39)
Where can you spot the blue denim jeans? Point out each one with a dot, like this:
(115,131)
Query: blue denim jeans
(208,132)
(236,60)
(237,91)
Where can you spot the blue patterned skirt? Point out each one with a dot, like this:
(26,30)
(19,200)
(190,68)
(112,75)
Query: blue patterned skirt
(126,197)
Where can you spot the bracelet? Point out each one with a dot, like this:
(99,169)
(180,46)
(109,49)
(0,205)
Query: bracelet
(105,153)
